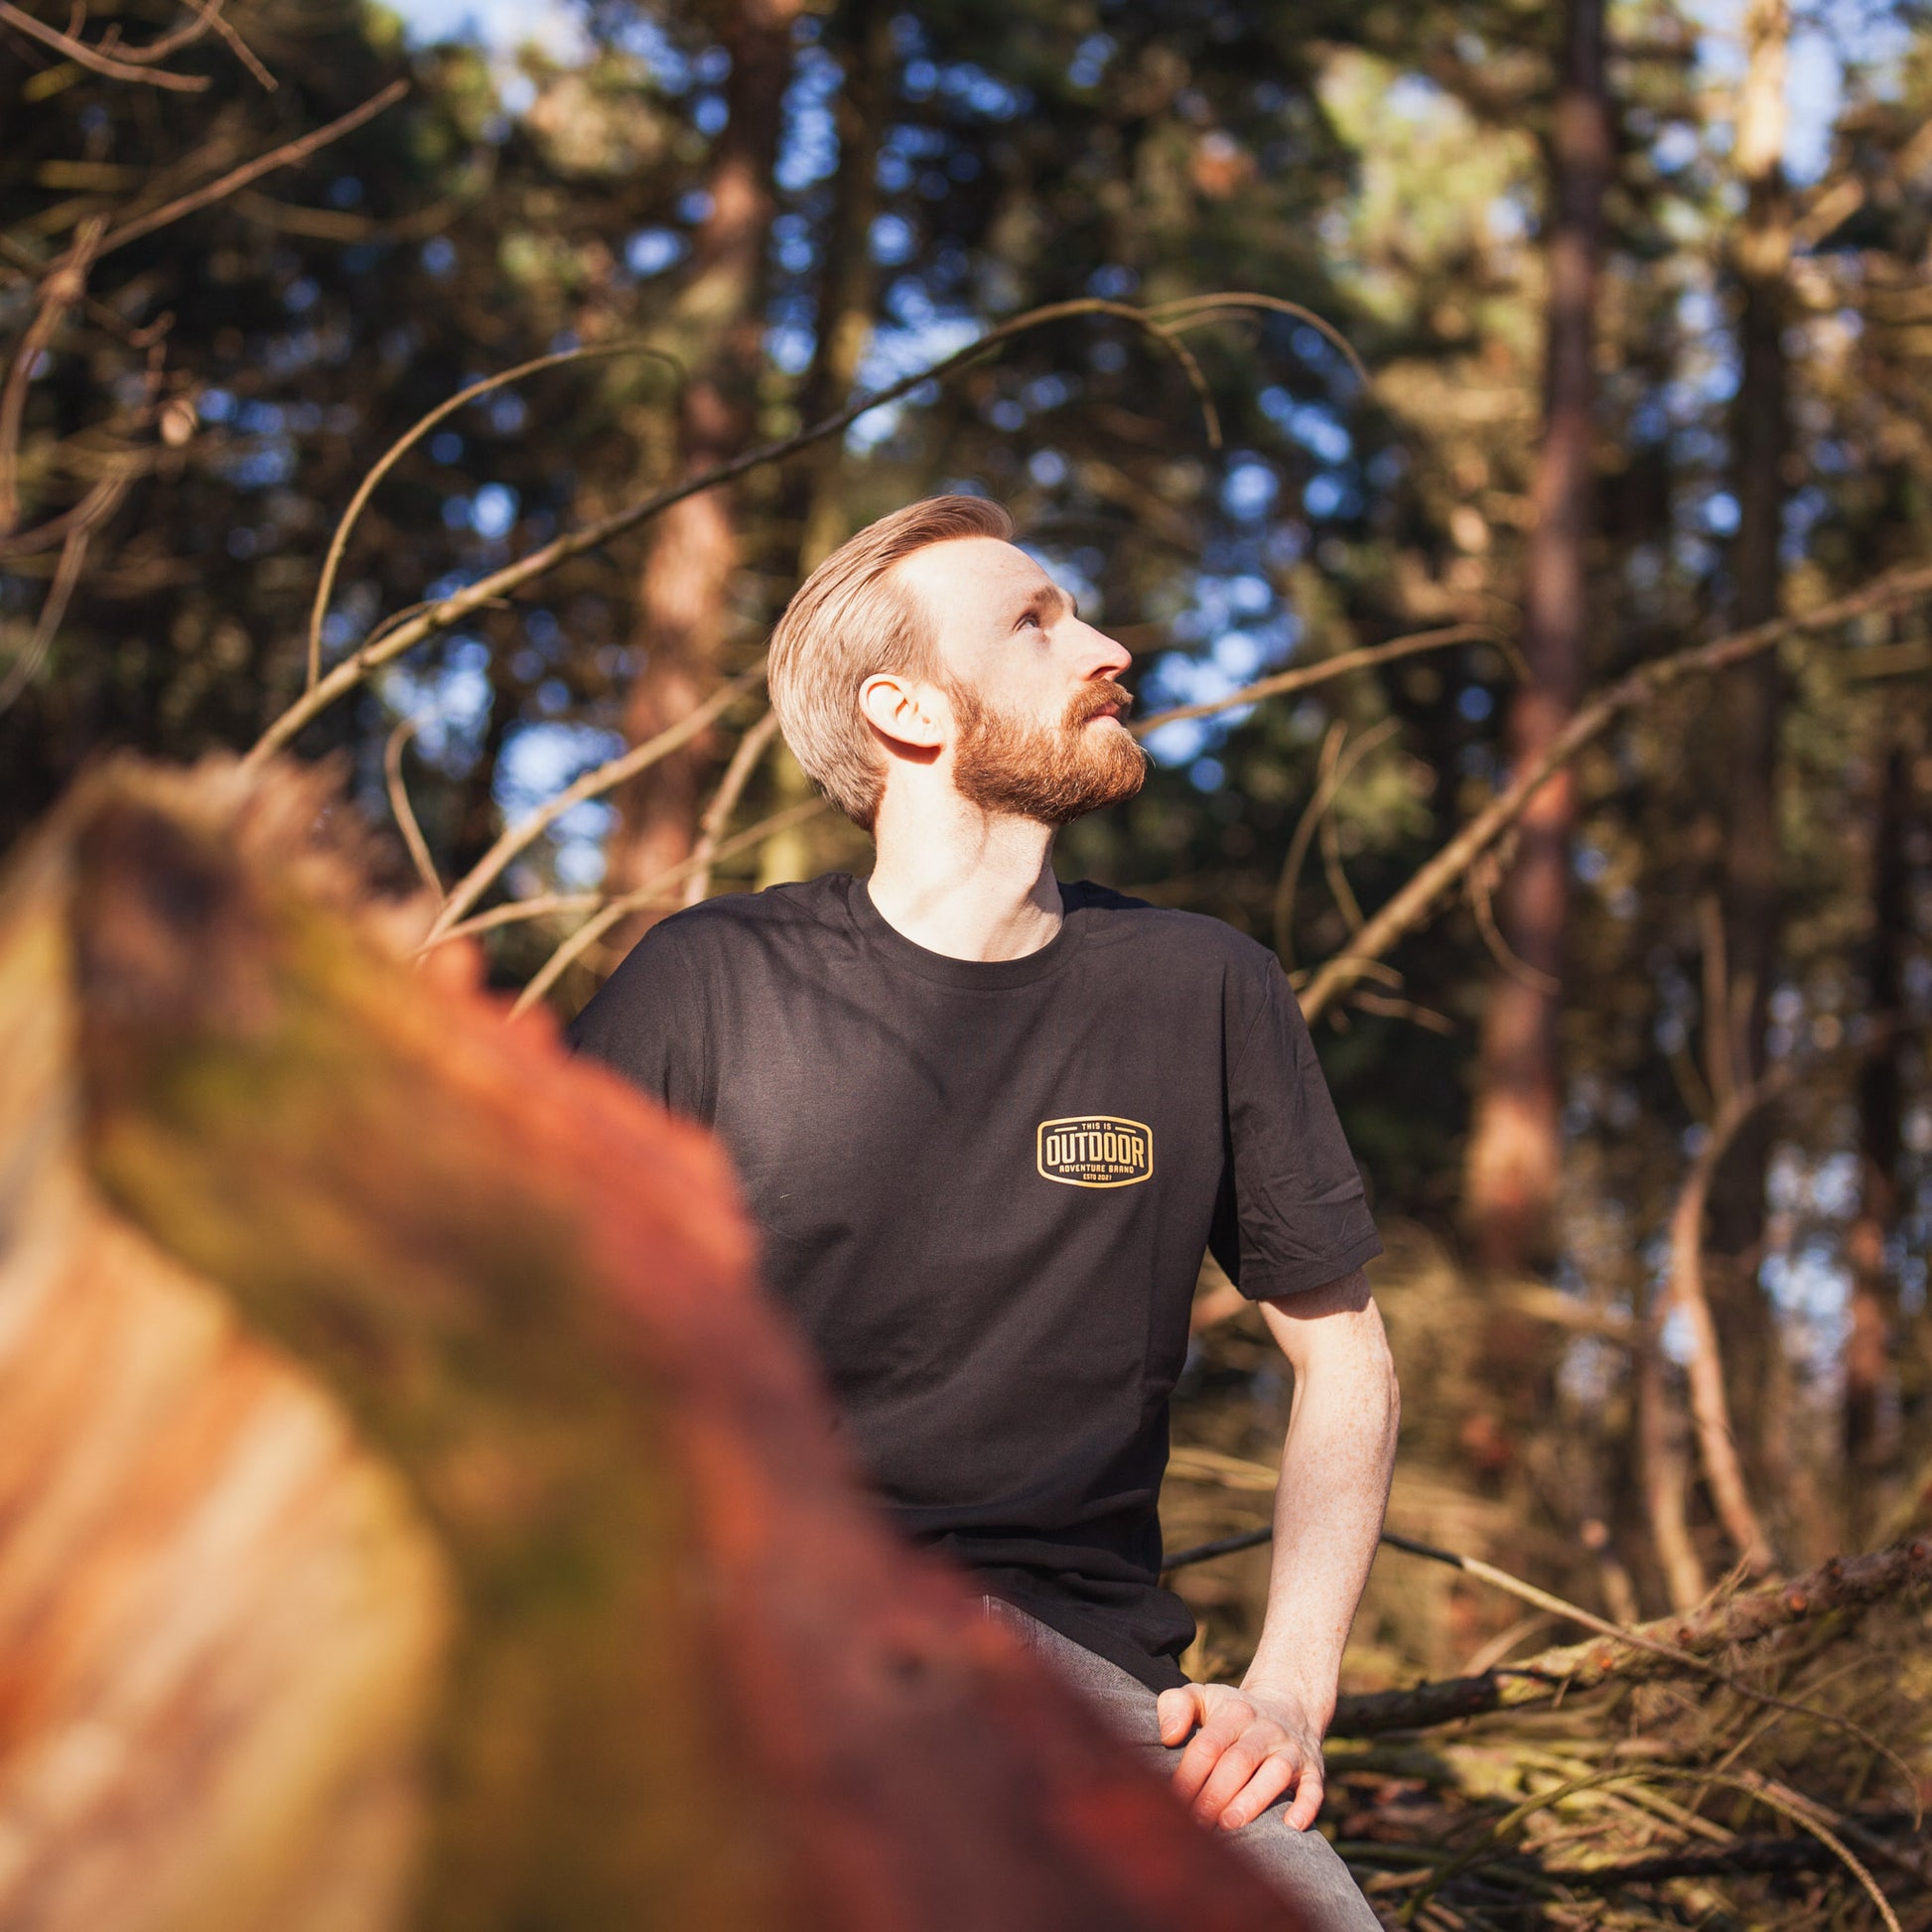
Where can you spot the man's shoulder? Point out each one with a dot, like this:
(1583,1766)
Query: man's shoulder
(1163,931)
(734,920)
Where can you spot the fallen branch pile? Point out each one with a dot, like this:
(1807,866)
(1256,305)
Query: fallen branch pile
(1761,1760)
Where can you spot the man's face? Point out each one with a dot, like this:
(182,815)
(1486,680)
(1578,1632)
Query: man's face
(1036,708)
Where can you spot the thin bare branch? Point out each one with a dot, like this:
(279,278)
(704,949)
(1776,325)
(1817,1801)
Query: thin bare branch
(1283,682)
(1413,903)
(614,772)
(339,543)
(412,833)
(64,285)
(1710,1405)
(208,13)
(1195,307)
(285,156)
(351,672)
(1288,885)
(1480,884)
(73,554)
(1345,765)
(653,892)
(93,58)
(750,748)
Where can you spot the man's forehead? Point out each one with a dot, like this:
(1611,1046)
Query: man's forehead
(985,564)
(987,560)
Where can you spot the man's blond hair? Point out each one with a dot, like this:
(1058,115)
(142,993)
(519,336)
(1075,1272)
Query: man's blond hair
(849,621)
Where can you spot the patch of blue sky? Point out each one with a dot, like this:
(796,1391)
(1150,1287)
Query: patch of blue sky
(540,760)
(449,701)
(1313,425)
(1838,40)
(808,149)
(557,29)
(895,354)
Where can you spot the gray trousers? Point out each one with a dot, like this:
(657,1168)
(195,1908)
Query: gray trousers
(1303,1865)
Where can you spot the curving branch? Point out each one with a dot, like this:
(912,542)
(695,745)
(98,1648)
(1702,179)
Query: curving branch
(339,543)
(1414,901)
(1710,1405)
(412,832)
(64,286)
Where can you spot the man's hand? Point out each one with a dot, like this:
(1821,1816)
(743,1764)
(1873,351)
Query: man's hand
(1252,1745)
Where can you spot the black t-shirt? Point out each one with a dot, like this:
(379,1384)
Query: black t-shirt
(984,1191)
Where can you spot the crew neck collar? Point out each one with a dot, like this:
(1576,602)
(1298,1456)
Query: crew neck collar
(884,940)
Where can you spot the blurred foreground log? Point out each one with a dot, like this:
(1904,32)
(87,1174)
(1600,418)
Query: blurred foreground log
(504,1570)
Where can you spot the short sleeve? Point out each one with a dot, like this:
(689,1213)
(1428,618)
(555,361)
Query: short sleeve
(647,1022)
(1293,1213)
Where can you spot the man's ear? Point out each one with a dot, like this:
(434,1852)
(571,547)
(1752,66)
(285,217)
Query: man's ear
(901,709)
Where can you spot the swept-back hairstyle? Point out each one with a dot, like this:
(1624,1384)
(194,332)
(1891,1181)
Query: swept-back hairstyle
(849,621)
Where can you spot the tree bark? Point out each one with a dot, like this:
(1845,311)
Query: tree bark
(683,598)
(1515,1140)
(1760,448)
(1871,1431)
(814,500)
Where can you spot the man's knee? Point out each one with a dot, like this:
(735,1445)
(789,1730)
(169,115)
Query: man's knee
(1307,1870)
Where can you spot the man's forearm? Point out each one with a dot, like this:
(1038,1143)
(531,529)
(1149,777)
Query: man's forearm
(1334,1488)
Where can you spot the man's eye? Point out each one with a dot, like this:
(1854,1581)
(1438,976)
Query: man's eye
(1032,618)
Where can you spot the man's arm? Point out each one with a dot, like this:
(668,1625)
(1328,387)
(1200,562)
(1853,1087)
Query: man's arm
(1265,1739)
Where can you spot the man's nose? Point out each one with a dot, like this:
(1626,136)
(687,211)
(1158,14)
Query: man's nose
(1109,660)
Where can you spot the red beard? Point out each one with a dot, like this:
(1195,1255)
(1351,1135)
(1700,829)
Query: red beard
(1052,774)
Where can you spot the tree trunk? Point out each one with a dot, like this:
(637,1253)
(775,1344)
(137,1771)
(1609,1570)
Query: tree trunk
(683,599)
(815,505)
(1751,702)
(1515,1142)
(1870,1422)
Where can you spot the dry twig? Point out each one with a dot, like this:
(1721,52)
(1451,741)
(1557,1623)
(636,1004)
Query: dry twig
(412,833)
(286,156)
(652,892)
(124,67)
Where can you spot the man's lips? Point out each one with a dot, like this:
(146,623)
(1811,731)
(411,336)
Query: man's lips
(1116,705)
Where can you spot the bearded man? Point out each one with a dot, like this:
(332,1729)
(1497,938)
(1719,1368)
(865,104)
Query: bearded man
(988,1124)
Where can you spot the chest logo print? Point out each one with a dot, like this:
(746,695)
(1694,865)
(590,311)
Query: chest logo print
(1096,1151)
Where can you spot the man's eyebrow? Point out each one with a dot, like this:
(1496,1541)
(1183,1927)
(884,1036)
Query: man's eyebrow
(1046,598)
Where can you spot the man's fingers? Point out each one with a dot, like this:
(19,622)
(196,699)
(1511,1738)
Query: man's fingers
(1233,1771)
(1176,1712)
(1218,1730)
(1308,1798)
(1272,1776)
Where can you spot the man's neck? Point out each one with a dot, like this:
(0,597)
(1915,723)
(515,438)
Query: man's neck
(966,883)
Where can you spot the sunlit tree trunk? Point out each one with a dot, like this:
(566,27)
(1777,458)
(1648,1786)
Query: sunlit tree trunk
(683,600)
(816,510)
(1760,443)
(1514,1145)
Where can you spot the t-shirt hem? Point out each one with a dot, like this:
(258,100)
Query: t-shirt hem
(1156,1670)
(1276,1283)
